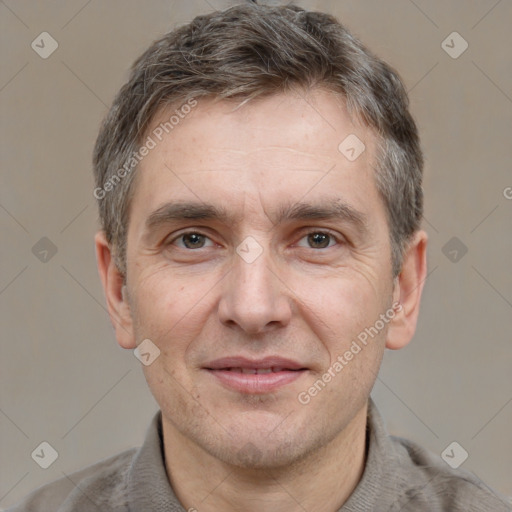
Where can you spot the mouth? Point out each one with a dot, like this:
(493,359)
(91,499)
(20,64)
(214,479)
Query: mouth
(256,371)
(255,376)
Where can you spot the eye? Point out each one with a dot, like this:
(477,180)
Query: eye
(319,240)
(191,240)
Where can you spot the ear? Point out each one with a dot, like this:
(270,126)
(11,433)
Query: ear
(114,288)
(407,292)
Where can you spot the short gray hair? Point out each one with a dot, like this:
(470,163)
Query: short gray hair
(250,51)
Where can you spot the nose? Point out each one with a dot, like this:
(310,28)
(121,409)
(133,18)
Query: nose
(255,297)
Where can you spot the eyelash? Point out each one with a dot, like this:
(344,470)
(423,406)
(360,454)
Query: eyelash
(313,231)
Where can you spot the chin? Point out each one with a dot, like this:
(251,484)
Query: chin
(257,448)
(254,455)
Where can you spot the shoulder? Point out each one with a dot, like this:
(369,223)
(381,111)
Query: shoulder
(429,481)
(104,482)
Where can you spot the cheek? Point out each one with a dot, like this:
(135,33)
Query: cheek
(168,312)
(340,307)
(353,351)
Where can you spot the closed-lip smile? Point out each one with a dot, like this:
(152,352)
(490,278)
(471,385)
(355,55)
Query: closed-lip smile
(255,376)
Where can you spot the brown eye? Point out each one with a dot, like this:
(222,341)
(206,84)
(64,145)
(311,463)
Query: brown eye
(191,240)
(319,240)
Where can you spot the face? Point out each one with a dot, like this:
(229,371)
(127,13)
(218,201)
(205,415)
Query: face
(257,254)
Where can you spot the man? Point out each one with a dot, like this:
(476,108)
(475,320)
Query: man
(259,186)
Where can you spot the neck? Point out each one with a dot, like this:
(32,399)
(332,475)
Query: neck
(320,482)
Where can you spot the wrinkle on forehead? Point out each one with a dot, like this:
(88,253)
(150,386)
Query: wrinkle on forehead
(283,158)
(243,152)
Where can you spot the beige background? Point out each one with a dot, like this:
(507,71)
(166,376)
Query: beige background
(63,378)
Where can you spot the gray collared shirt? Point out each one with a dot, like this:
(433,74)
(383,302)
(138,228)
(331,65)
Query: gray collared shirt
(399,475)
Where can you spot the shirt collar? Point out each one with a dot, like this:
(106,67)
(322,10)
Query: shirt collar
(148,484)
(381,478)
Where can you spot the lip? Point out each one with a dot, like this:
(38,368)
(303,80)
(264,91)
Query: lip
(228,372)
(244,362)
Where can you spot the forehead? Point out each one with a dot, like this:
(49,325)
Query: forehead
(286,146)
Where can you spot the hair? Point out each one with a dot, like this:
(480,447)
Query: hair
(250,51)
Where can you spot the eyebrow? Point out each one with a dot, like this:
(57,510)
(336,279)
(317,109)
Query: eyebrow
(329,209)
(179,211)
